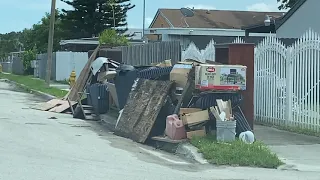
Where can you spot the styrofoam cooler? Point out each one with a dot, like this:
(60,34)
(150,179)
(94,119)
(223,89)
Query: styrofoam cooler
(174,128)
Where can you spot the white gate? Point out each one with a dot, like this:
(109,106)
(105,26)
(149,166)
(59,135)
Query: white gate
(269,81)
(304,69)
(287,82)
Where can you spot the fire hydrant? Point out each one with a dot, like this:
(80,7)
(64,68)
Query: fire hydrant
(72,79)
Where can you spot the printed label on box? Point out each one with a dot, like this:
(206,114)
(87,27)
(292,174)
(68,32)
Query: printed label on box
(220,77)
(205,83)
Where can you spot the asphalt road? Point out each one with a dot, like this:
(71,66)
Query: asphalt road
(33,146)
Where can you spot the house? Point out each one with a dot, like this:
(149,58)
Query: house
(299,19)
(86,44)
(294,23)
(223,26)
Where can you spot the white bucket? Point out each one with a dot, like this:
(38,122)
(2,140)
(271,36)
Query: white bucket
(226,131)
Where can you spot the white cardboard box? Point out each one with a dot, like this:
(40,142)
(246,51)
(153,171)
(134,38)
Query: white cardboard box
(220,77)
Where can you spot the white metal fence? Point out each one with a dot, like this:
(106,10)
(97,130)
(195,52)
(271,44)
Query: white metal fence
(66,62)
(193,52)
(287,82)
(62,65)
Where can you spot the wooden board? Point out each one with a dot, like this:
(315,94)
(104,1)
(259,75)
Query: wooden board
(48,105)
(82,79)
(62,107)
(113,92)
(142,109)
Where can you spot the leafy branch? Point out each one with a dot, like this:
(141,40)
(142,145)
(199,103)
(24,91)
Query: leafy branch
(111,38)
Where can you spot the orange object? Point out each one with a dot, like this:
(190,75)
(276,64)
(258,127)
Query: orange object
(174,128)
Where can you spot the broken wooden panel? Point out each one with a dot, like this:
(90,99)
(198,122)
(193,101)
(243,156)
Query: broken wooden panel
(142,109)
(81,81)
(48,105)
(63,107)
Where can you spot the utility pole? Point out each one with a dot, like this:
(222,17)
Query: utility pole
(50,41)
(144,18)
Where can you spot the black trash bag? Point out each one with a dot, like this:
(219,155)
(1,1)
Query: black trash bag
(126,75)
(123,68)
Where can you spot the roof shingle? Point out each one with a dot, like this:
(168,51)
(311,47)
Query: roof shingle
(223,19)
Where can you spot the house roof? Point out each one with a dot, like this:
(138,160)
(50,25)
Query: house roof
(223,19)
(261,27)
(200,32)
(135,37)
(294,8)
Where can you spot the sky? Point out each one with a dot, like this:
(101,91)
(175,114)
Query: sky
(15,15)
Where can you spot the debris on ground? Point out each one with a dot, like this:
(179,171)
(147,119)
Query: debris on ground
(167,102)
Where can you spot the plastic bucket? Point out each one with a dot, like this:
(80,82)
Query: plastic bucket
(226,131)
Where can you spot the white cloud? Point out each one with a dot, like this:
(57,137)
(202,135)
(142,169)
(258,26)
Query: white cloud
(264,7)
(200,6)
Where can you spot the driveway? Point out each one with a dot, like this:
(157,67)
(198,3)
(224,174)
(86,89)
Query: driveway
(36,145)
(299,152)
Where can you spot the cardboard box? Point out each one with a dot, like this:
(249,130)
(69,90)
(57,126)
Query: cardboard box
(197,133)
(220,77)
(188,110)
(179,73)
(195,117)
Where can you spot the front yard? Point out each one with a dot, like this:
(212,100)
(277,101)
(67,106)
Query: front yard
(31,83)
(236,153)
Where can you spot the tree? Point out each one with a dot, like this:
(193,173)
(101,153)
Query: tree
(9,42)
(27,58)
(37,36)
(90,18)
(286,4)
(34,38)
(110,37)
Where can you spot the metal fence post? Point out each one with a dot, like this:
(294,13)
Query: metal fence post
(289,86)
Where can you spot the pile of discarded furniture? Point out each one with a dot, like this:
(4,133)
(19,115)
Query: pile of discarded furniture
(161,101)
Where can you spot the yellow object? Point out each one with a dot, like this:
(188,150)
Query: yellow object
(72,79)
(0,68)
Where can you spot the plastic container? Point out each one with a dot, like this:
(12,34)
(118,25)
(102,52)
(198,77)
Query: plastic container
(247,137)
(226,131)
(174,128)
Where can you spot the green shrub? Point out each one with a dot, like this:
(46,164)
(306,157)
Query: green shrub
(27,57)
(110,37)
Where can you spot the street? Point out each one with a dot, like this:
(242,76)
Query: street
(37,145)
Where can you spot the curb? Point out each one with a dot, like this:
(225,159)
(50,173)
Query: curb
(38,93)
(184,150)
(189,151)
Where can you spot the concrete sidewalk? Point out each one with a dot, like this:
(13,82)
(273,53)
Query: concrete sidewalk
(60,86)
(299,152)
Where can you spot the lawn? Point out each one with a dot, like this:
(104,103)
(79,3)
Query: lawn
(36,84)
(236,153)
